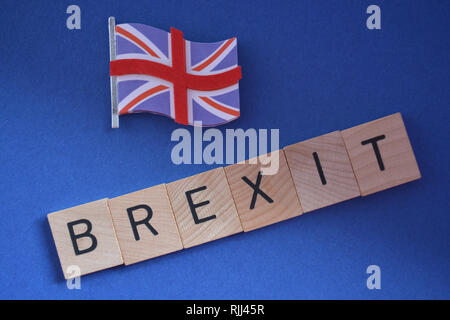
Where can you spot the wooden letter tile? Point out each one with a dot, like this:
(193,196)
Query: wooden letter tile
(84,238)
(203,207)
(321,171)
(145,225)
(381,154)
(260,199)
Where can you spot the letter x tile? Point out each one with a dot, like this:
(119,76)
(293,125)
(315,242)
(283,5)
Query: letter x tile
(262,200)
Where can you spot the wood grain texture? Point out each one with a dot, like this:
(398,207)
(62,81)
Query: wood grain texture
(280,201)
(337,183)
(151,202)
(105,255)
(221,205)
(397,156)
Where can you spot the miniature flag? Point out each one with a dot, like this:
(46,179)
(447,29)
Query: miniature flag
(160,72)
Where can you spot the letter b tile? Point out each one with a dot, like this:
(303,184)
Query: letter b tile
(84,237)
(203,207)
(145,224)
(381,154)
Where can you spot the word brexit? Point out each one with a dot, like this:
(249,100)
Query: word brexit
(311,174)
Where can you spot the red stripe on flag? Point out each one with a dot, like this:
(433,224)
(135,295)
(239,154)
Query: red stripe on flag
(141,97)
(196,82)
(137,40)
(220,107)
(178,73)
(214,56)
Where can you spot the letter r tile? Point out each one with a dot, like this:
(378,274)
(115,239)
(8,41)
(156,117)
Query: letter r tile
(145,225)
(381,154)
(322,171)
(260,199)
(84,237)
(203,207)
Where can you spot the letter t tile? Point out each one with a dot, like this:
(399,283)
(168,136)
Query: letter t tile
(381,154)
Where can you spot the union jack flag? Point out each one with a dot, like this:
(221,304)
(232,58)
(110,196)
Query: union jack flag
(160,72)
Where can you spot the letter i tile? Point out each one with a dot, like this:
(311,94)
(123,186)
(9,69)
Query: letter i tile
(321,171)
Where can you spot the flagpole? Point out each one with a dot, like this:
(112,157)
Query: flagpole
(113,79)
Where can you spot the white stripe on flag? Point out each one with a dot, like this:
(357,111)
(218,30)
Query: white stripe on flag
(138,91)
(144,39)
(214,111)
(216,61)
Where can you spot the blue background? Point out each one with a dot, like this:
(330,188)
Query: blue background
(309,67)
